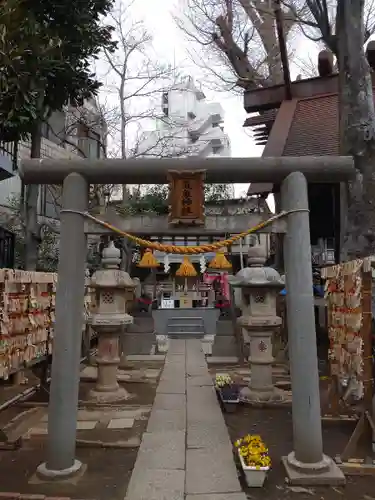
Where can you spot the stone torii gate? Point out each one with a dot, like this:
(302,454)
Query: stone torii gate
(307,462)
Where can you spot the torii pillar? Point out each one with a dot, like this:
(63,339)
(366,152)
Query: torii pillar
(306,464)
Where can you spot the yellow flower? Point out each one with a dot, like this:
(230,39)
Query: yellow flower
(253,451)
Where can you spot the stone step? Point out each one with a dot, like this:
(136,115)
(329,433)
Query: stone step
(180,325)
(186,335)
(226,360)
(185,329)
(186,318)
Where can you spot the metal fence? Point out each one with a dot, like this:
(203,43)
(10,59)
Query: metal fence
(7,243)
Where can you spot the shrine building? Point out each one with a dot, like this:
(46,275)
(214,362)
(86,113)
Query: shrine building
(302,119)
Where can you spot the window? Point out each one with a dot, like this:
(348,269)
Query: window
(215,124)
(216,149)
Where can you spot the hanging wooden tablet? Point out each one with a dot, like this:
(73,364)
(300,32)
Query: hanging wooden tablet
(186,197)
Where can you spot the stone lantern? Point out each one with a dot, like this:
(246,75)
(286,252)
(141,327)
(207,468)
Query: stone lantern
(259,286)
(109,321)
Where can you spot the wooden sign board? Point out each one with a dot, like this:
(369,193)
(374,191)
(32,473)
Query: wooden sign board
(186,202)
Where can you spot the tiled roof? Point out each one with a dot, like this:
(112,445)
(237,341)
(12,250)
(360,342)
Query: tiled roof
(261,125)
(314,129)
(264,118)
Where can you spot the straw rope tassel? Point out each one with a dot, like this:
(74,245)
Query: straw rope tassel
(148,260)
(220,262)
(186,268)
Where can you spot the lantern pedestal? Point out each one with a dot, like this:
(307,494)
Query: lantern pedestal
(107,389)
(261,388)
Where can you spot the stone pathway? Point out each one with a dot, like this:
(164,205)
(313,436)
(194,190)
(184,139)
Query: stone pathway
(90,373)
(186,452)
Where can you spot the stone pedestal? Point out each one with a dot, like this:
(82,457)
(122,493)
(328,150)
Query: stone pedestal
(259,287)
(109,322)
(261,388)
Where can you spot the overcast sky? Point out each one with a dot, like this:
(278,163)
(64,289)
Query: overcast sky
(170,42)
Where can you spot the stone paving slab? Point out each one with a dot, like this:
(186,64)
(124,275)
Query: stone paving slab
(200,412)
(145,357)
(208,472)
(196,371)
(91,373)
(173,375)
(121,423)
(167,420)
(155,484)
(176,346)
(171,387)
(152,373)
(169,401)
(199,380)
(175,358)
(207,435)
(87,425)
(200,394)
(162,450)
(106,414)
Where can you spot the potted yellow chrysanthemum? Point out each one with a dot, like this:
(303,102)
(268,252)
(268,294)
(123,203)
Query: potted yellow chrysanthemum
(254,458)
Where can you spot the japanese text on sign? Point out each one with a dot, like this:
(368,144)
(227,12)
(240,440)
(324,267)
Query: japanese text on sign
(187,199)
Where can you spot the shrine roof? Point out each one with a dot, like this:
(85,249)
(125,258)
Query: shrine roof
(313,129)
(301,127)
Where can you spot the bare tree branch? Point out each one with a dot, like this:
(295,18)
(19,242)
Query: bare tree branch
(239,37)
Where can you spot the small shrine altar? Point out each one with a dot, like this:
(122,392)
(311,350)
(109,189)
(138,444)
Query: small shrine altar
(176,296)
(186,302)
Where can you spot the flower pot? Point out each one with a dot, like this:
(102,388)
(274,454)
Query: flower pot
(229,399)
(254,476)
(229,393)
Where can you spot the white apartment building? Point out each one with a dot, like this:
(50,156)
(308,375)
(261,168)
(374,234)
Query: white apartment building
(188,125)
(72,133)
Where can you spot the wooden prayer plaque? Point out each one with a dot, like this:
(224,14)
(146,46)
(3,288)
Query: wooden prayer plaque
(186,197)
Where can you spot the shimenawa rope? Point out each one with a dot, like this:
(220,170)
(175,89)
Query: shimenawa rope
(175,249)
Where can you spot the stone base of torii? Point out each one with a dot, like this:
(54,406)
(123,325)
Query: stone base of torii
(306,464)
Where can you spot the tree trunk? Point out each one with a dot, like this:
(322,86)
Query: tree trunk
(32,236)
(357,126)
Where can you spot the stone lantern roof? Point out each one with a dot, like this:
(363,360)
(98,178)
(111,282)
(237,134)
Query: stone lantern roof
(256,275)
